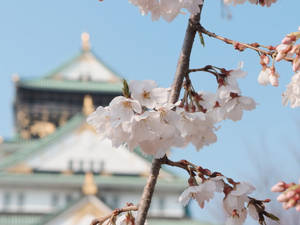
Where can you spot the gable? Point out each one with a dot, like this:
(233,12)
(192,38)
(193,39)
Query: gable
(83,151)
(86,67)
(80,213)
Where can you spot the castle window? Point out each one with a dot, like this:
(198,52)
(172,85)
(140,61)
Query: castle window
(6,200)
(68,198)
(70,165)
(101,166)
(161,203)
(54,200)
(92,169)
(81,165)
(20,200)
(115,201)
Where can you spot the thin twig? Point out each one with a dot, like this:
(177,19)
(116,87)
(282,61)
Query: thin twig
(116,212)
(201,29)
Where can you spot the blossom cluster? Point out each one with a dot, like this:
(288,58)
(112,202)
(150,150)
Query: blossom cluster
(145,118)
(267,3)
(167,9)
(290,194)
(290,51)
(237,204)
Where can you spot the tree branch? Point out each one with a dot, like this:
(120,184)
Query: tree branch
(114,213)
(181,72)
(184,58)
(201,29)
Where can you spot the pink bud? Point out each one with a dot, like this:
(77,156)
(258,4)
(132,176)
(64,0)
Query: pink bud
(264,60)
(295,49)
(280,56)
(285,205)
(274,80)
(291,203)
(296,63)
(298,207)
(290,194)
(288,40)
(279,187)
(282,197)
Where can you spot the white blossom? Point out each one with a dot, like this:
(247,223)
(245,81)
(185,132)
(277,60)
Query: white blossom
(168,9)
(122,109)
(268,76)
(253,212)
(123,220)
(203,192)
(267,3)
(234,203)
(196,128)
(238,217)
(148,94)
(235,107)
(292,93)
(148,121)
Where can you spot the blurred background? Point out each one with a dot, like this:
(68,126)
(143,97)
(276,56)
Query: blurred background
(54,170)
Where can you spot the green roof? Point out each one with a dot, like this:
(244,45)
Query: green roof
(52,82)
(20,219)
(76,180)
(67,85)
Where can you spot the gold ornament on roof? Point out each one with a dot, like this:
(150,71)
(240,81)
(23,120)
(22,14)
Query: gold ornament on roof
(42,128)
(15,78)
(20,168)
(88,105)
(89,187)
(85,41)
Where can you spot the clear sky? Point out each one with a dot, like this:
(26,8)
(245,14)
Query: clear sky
(37,36)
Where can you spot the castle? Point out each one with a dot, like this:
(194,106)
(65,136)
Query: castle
(56,171)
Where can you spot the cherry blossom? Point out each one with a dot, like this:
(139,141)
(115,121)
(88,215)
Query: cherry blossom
(167,9)
(147,93)
(253,212)
(196,128)
(290,194)
(292,93)
(202,192)
(234,203)
(261,2)
(268,76)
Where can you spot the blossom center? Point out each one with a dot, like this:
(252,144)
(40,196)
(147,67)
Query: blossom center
(126,104)
(146,94)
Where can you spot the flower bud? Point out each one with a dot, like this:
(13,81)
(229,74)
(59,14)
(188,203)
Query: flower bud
(279,187)
(282,197)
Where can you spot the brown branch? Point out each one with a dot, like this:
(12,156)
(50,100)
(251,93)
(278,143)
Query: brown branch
(116,212)
(148,192)
(184,58)
(183,164)
(201,29)
(181,72)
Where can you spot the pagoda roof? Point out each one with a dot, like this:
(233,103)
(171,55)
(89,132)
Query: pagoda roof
(76,180)
(84,72)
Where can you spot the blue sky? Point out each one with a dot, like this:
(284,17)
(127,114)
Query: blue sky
(37,36)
